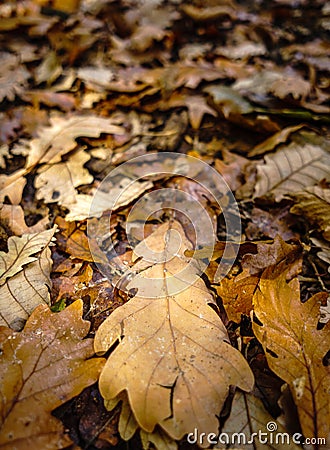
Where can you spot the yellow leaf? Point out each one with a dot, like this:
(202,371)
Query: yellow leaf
(314,205)
(174,358)
(41,368)
(295,348)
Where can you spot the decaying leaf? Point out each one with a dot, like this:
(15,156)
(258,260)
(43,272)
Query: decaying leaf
(314,205)
(57,183)
(24,279)
(175,344)
(248,415)
(295,348)
(291,169)
(42,367)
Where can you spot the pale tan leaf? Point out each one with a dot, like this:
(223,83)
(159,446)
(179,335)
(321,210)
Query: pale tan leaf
(87,206)
(12,186)
(13,76)
(20,251)
(59,138)
(314,205)
(57,183)
(41,368)
(248,415)
(13,217)
(291,169)
(174,358)
(295,348)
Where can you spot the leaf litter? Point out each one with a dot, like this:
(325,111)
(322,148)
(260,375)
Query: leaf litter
(88,85)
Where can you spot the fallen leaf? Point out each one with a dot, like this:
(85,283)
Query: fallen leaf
(236,294)
(248,416)
(173,342)
(58,182)
(24,279)
(13,76)
(20,251)
(209,12)
(231,167)
(12,186)
(280,254)
(295,348)
(77,244)
(42,367)
(87,206)
(229,101)
(273,141)
(314,205)
(59,138)
(13,217)
(270,223)
(291,169)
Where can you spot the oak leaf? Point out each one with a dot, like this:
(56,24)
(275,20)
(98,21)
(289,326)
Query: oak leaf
(41,368)
(291,169)
(236,294)
(278,253)
(24,277)
(87,206)
(13,217)
(12,186)
(314,205)
(60,137)
(58,182)
(172,341)
(295,348)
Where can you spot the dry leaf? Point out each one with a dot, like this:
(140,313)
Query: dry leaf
(236,294)
(57,183)
(248,415)
(77,244)
(279,254)
(41,368)
(295,348)
(24,279)
(87,206)
(20,251)
(273,141)
(291,169)
(59,138)
(314,205)
(13,76)
(175,344)
(12,186)
(13,217)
